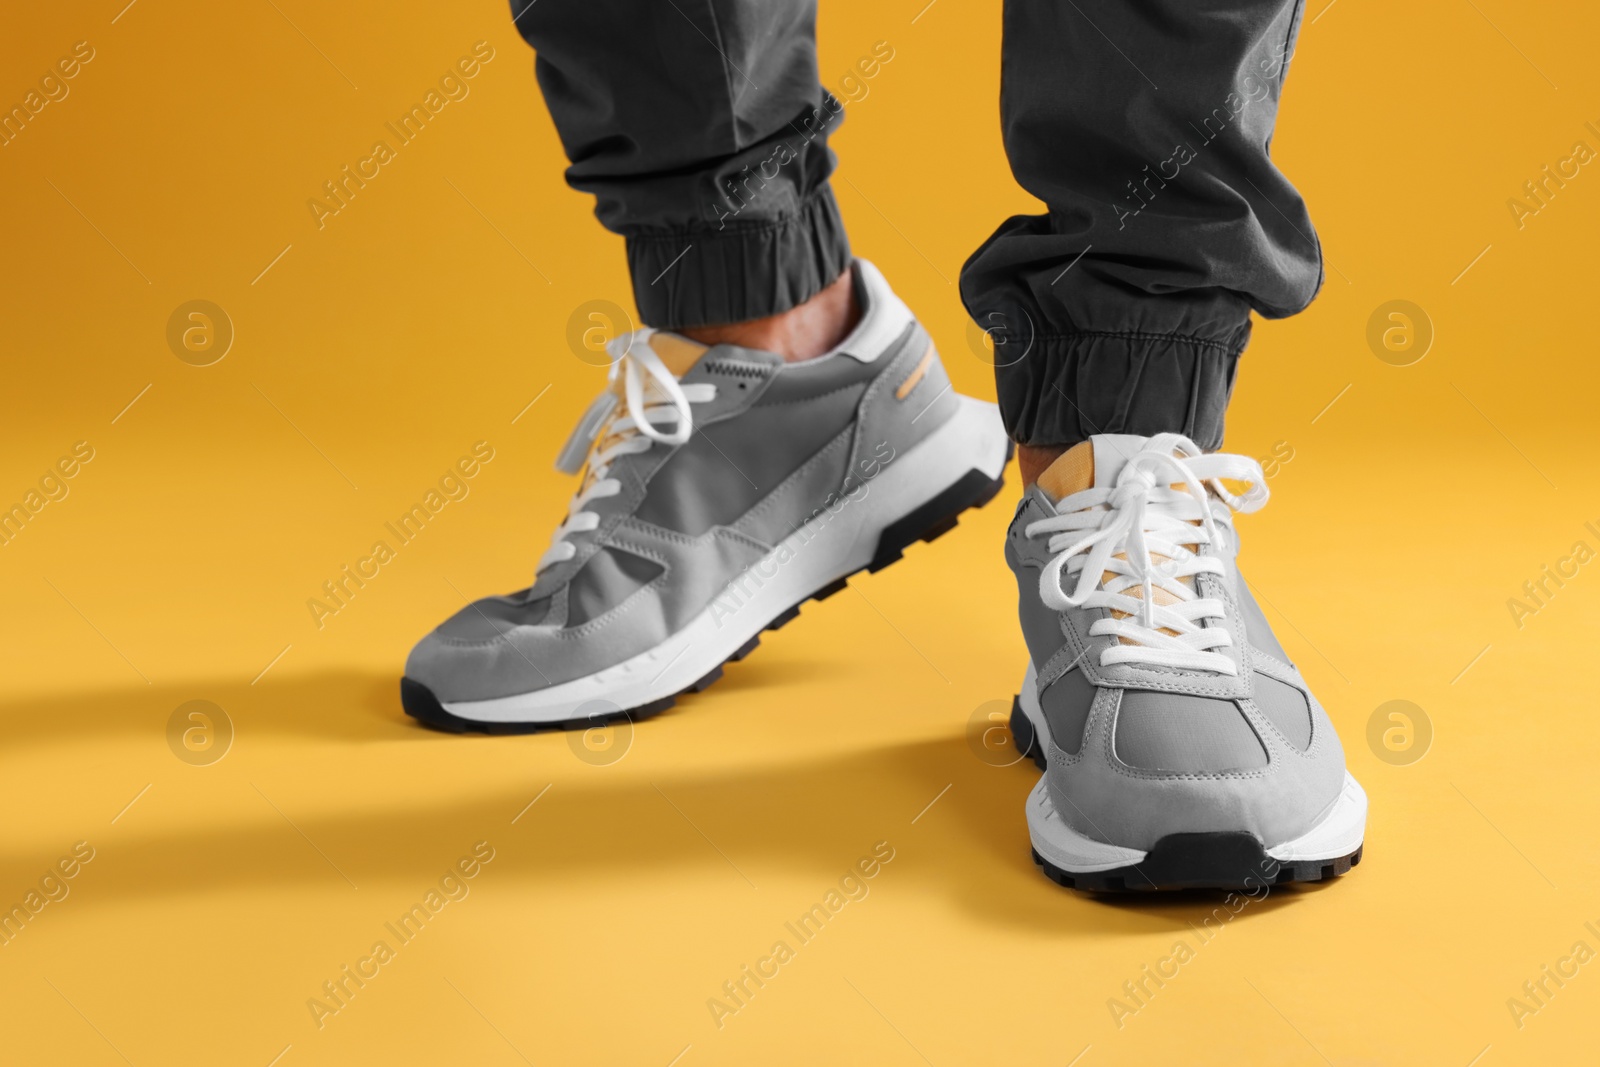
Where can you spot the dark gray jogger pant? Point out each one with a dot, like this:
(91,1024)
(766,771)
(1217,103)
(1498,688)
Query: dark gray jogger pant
(701,128)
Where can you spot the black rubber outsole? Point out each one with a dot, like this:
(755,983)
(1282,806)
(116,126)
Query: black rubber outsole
(937,517)
(1233,860)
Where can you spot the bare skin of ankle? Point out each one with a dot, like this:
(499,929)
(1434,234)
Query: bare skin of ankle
(1033,459)
(801,333)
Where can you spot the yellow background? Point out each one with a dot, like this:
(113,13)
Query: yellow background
(432,310)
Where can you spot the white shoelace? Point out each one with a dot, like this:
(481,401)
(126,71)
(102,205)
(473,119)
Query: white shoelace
(1126,541)
(652,397)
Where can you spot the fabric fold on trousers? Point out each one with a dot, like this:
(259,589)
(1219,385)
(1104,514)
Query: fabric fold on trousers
(1076,385)
(706,275)
(1145,129)
(701,128)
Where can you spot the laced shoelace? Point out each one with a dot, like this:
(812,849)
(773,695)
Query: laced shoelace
(651,397)
(1137,546)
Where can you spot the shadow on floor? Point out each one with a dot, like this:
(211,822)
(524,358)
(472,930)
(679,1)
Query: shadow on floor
(620,825)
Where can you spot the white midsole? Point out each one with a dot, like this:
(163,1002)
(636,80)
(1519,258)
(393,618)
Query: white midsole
(1052,837)
(836,543)
(1337,834)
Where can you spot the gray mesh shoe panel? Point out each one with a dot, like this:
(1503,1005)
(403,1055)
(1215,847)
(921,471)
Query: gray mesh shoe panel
(1184,734)
(745,459)
(1287,707)
(606,580)
(1066,702)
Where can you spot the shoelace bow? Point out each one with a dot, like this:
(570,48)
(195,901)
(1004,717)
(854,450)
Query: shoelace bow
(1126,542)
(651,397)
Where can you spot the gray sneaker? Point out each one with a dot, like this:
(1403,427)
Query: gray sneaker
(1180,746)
(723,487)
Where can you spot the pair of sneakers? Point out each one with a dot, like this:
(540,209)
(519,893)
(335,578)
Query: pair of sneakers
(723,487)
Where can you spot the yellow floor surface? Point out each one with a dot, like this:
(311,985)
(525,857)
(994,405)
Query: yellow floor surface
(618,882)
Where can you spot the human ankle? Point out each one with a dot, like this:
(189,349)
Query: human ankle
(803,332)
(1033,459)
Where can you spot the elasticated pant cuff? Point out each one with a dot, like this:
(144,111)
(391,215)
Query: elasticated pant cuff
(1071,386)
(710,276)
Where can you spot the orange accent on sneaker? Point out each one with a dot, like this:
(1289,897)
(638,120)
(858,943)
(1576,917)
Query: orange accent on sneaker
(678,353)
(919,372)
(1071,472)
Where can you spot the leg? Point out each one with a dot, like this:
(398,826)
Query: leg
(1180,745)
(1145,128)
(701,129)
(725,470)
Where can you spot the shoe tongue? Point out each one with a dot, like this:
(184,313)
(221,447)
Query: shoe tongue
(1087,464)
(1097,462)
(678,353)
